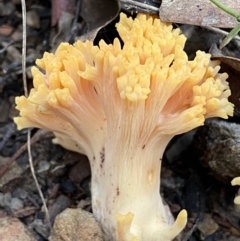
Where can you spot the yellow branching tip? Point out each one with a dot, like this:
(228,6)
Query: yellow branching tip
(237,200)
(124,223)
(181,220)
(151,67)
(236,181)
(178,226)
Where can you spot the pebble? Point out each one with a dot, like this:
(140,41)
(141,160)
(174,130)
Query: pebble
(33,19)
(218,144)
(5,199)
(40,227)
(15,204)
(22,193)
(43,166)
(207,227)
(11,229)
(76,224)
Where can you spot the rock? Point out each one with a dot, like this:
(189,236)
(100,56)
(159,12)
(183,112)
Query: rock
(76,224)
(21,193)
(43,166)
(218,144)
(41,228)
(11,229)
(5,199)
(207,226)
(33,19)
(15,204)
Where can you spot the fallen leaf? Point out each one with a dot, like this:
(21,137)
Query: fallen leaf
(97,14)
(202,13)
(60,6)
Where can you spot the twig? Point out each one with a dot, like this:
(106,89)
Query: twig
(145,6)
(24,41)
(35,178)
(218,30)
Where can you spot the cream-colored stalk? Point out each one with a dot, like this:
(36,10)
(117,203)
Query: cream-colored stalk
(120,106)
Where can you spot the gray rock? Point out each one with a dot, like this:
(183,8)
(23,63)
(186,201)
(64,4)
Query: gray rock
(43,166)
(41,228)
(218,144)
(22,193)
(5,199)
(15,204)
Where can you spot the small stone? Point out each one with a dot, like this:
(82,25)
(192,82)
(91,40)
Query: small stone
(43,166)
(83,203)
(1,199)
(207,227)
(218,145)
(15,204)
(5,199)
(33,19)
(41,228)
(22,193)
(76,224)
(11,229)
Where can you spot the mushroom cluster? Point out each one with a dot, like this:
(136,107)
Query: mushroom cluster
(120,106)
